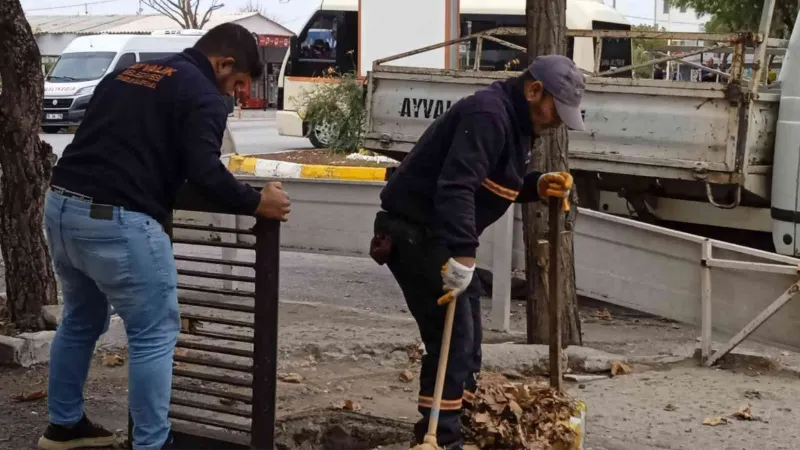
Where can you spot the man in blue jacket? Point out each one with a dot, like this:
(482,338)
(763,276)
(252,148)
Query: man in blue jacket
(149,128)
(466,170)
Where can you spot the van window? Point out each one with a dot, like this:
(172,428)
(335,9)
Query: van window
(126,60)
(81,66)
(151,56)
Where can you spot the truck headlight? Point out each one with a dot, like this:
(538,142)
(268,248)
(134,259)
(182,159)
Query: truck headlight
(88,90)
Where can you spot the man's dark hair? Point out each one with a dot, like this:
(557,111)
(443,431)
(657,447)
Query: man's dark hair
(230,40)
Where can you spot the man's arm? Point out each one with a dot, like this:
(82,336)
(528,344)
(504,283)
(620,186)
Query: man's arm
(204,127)
(530,188)
(476,146)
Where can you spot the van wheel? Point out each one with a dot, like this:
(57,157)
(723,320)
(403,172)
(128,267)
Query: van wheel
(321,135)
(51,130)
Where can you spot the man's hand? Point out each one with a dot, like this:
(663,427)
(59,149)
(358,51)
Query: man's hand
(554,184)
(456,277)
(275,203)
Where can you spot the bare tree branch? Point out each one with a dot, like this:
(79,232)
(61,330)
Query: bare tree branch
(207,16)
(186,13)
(168,9)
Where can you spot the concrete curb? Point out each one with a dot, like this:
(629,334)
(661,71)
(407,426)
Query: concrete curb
(249,165)
(30,349)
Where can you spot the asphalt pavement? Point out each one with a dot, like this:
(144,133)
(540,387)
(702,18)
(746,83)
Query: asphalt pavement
(253,135)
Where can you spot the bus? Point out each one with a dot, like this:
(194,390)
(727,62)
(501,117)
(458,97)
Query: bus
(330,40)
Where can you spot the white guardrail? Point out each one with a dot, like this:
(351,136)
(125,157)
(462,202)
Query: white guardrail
(679,276)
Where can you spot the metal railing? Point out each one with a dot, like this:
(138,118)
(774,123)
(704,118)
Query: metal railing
(224,378)
(738,42)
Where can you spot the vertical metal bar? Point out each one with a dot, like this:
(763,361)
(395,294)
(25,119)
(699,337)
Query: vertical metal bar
(751,327)
(265,339)
(759,59)
(705,286)
(598,55)
(737,65)
(502,259)
(555,293)
(129,445)
(479,53)
(453,19)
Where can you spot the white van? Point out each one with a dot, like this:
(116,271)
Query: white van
(86,60)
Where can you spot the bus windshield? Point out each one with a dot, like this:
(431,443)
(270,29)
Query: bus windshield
(81,66)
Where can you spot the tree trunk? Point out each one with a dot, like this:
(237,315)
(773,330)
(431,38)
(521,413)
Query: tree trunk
(26,163)
(546,23)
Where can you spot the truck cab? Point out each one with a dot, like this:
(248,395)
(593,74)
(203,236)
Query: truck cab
(88,59)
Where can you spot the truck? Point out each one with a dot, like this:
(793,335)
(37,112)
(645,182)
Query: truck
(86,60)
(338,36)
(723,156)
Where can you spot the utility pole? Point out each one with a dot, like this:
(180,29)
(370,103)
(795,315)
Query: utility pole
(453,19)
(655,14)
(546,30)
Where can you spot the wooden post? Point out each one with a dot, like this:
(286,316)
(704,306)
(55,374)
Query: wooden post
(555,294)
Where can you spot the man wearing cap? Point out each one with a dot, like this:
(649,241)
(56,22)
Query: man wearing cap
(466,170)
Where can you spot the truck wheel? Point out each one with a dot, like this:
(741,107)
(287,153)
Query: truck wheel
(320,135)
(51,130)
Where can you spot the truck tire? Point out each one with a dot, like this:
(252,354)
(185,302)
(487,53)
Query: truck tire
(51,130)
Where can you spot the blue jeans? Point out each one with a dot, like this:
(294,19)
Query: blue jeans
(122,260)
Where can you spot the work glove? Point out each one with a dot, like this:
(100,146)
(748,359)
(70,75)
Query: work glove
(456,277)
(554,184)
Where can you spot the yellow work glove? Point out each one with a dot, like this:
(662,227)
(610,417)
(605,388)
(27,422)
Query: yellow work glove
(554,184)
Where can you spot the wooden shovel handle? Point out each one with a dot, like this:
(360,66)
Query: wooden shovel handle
(433,422)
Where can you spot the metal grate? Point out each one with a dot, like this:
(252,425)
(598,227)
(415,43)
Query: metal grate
(224,376)
(57,103)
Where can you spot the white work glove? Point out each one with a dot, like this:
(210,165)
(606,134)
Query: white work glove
(456,277)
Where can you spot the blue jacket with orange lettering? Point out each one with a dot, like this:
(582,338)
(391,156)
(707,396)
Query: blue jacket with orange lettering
(148,129)
(467,168)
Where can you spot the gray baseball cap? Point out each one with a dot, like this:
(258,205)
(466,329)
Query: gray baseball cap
(565,82)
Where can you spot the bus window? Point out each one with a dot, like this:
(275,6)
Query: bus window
(495,56)
(616,52)
(318,42)
(347,45)
(329,41)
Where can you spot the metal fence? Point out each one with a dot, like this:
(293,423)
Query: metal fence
(225,363)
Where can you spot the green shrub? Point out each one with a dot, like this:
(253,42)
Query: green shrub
(337,101)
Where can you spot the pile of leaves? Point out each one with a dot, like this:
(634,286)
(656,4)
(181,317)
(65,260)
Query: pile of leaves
(503,416)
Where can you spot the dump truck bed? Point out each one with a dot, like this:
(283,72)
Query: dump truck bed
(648,128)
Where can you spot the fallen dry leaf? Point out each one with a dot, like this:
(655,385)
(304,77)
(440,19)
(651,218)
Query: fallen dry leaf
(752,394)
(619,368)
(670,407)
(715,421)
(745,413)
(29,396)
(406,376)
(290,377)
(347,405)
(112,360)
(603,314)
